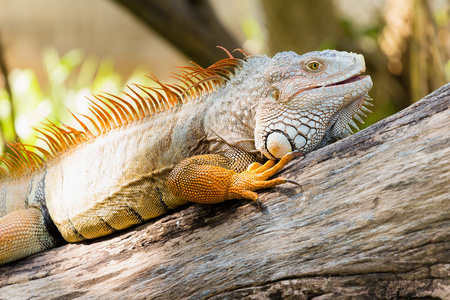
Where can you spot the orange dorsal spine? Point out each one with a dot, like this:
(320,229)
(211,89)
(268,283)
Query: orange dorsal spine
(111,111)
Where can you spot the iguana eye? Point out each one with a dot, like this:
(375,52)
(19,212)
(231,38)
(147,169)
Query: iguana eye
(314,65)
(274,93)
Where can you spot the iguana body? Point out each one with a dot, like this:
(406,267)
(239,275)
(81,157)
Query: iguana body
(177,145)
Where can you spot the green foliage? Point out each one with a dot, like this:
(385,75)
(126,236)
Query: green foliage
(68,81)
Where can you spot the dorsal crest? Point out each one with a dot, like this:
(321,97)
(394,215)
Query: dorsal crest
(110,111)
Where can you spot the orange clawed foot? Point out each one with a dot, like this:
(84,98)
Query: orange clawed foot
(255,177)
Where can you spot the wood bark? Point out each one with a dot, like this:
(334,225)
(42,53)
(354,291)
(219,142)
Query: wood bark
(371,221)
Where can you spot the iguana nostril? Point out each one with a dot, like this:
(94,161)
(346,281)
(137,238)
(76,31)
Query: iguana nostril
(360,58)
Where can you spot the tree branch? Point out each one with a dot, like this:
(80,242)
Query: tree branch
(190,25)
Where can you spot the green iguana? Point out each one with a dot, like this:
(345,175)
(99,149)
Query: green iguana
(202,140)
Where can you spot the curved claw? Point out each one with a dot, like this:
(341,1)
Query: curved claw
(294,182)
(259,204)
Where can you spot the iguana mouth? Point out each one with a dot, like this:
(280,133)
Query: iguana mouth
(348,80)
(343,82)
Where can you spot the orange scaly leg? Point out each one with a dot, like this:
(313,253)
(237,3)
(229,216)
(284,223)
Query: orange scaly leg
(202,179)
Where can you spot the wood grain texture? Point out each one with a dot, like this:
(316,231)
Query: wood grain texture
(372,222)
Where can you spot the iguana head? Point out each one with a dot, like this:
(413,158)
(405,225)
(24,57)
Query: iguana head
(309,100)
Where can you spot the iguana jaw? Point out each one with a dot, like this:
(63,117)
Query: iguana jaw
(339,125)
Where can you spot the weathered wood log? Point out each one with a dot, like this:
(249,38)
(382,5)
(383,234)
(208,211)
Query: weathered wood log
(372,222)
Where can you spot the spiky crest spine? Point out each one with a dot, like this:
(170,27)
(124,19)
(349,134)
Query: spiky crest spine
(110,111)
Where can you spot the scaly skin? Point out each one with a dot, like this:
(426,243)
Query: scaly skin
(206,150)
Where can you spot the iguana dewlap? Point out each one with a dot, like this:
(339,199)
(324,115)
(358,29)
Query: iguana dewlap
(158,148)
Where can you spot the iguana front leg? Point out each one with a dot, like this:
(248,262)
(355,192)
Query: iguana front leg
(209,179)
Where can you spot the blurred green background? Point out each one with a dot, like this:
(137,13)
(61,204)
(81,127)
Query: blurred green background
(54,53)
